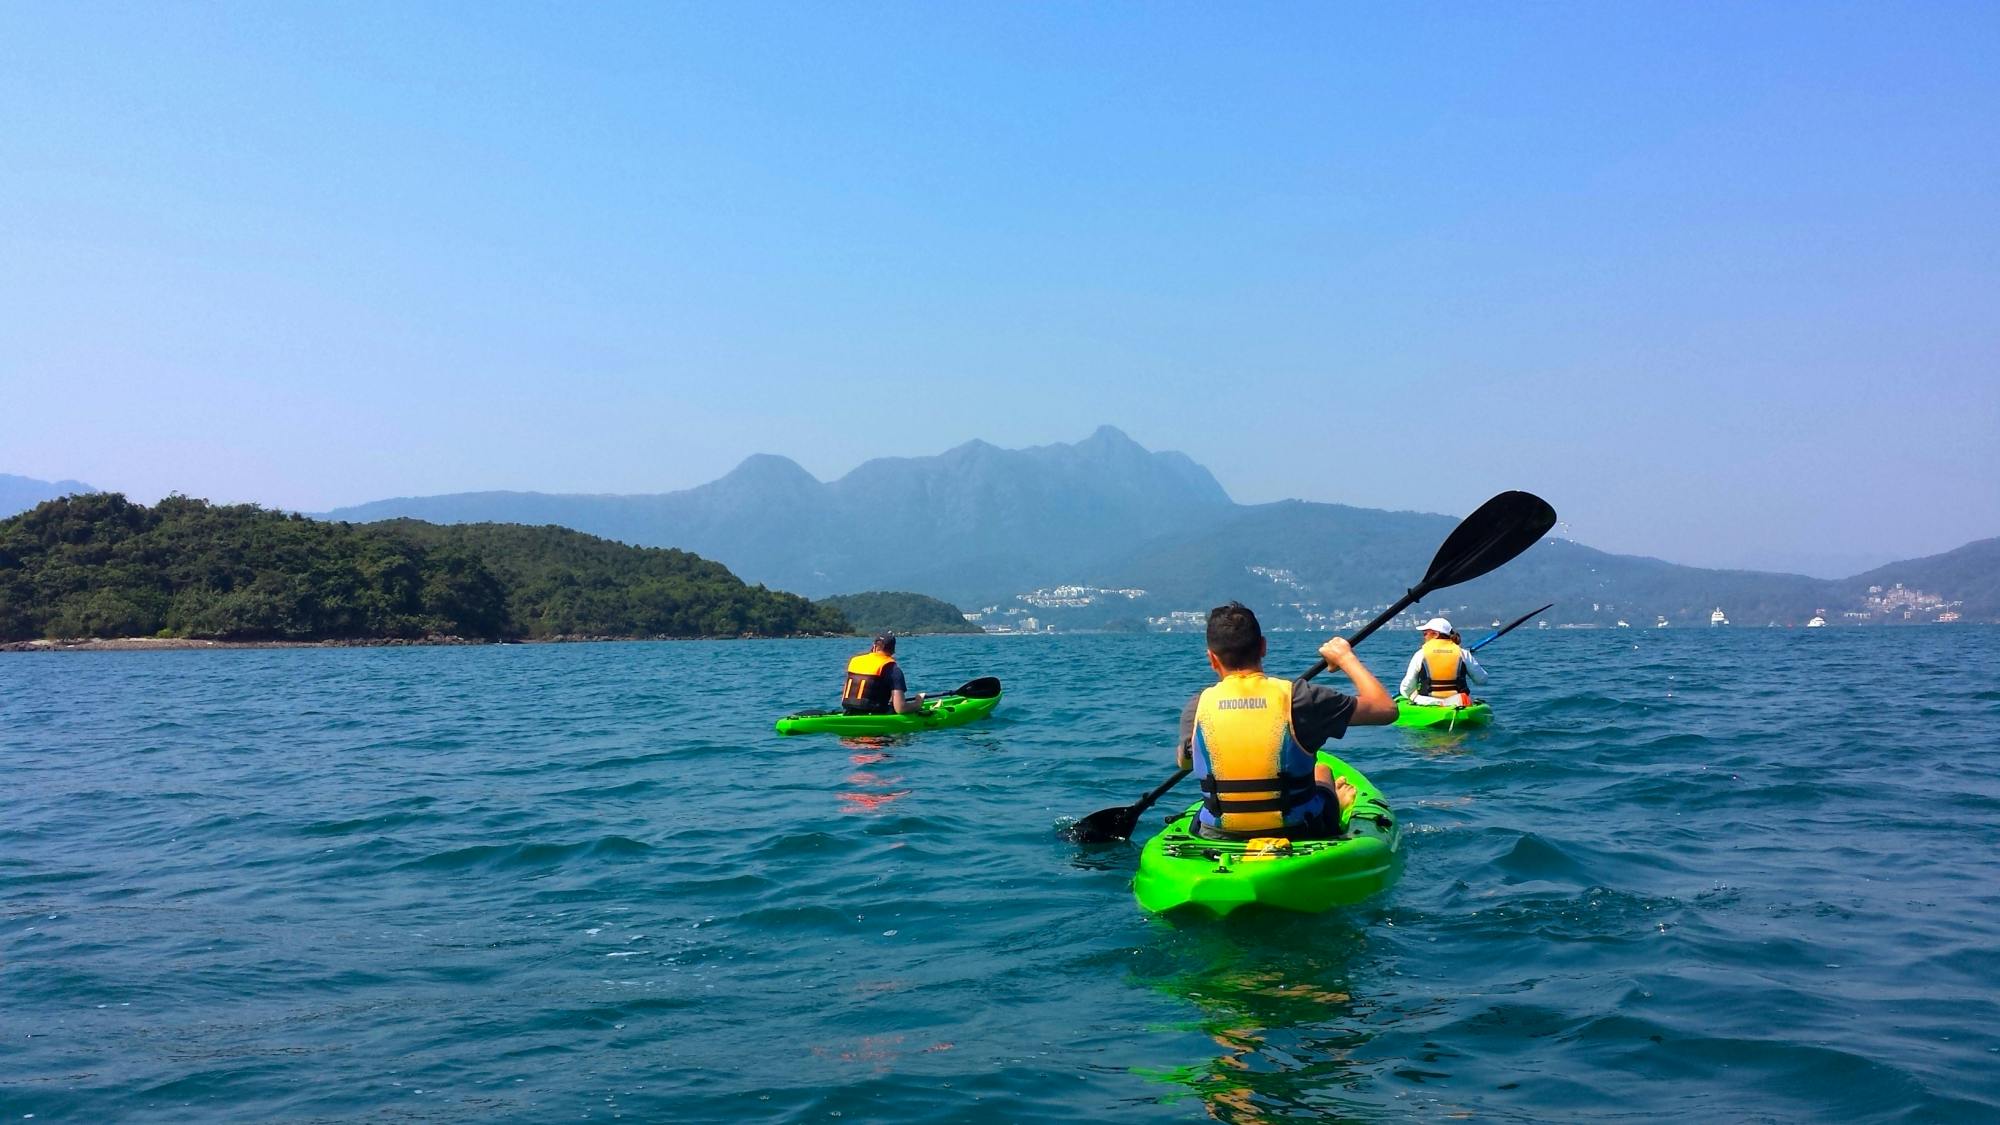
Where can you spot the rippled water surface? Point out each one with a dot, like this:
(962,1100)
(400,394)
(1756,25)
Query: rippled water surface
(1723,875)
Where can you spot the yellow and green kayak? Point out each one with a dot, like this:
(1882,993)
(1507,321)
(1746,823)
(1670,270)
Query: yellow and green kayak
(1181,872)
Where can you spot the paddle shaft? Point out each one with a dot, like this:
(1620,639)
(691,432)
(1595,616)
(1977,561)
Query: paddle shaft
(1146,802)
(1410,597)
(1515,624)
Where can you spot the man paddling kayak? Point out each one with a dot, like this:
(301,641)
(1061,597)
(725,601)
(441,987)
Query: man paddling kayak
(1251,739)
(1442,672)
(875,684)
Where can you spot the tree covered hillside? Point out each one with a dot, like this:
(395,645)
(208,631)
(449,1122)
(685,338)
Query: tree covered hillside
(881,610)
(101,566)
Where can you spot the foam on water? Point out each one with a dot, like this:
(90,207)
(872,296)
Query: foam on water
(1736,874)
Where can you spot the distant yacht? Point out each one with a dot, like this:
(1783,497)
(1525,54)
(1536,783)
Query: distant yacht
(1541,624)
(1716,618)
(1624,624)
(1660,624)
(1816,623)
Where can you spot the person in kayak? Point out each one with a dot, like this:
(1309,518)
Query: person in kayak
(1252,739)
(1442,672)
(875,684)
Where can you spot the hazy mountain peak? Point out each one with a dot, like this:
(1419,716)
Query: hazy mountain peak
(770,468)
(18,494)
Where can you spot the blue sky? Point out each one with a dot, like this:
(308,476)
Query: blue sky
(1720,281)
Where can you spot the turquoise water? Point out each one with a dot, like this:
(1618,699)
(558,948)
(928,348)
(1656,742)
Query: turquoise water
(1720,875)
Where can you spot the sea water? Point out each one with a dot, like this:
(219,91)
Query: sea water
(1727,874)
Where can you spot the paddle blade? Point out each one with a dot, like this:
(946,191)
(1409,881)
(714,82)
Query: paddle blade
(1105,826)
(1511,626)
(1489,538)
(985,687)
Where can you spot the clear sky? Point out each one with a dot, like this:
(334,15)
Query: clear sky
(1719,280)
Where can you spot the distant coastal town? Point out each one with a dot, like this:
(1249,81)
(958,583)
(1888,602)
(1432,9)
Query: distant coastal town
(1049,610)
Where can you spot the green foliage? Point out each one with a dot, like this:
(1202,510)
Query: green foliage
(100,566)
(881,610)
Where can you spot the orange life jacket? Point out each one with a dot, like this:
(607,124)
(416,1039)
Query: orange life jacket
(868,681)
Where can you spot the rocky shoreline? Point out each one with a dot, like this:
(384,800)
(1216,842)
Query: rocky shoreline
(148,644)
(153,644)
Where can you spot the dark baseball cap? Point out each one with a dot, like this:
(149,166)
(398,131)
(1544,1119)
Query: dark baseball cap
(885,641)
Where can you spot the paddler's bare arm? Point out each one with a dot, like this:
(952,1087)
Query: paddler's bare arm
(1373,705)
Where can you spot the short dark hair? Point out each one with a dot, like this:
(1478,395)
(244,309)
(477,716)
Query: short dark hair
(886,642)
(1234,635)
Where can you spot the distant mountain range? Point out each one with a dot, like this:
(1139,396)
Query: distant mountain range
(18,494)
(1105,533)
(975,522)
(1353,559)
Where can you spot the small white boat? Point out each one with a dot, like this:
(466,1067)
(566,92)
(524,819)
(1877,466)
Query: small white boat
(1717,618)
(1816,623)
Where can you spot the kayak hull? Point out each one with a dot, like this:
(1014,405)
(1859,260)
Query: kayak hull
(944,711)
(1185,874)
(1410,714)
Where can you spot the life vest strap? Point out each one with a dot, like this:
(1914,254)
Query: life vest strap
(1238,805)
(1257,785)
(1288,794)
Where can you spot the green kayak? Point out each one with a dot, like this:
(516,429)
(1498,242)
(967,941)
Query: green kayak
(1181,871)
(1410,714)
(972,702)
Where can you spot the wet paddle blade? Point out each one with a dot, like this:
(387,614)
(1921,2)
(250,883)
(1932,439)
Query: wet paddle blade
(1105,826)
(1493,535)
(985,687)
(1496,533)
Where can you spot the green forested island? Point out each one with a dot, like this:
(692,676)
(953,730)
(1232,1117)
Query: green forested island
(101,566)
(895,611)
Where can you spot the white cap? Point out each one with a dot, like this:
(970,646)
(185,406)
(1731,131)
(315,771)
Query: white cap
(1437,625)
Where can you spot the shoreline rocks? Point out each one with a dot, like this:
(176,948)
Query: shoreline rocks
(165,644)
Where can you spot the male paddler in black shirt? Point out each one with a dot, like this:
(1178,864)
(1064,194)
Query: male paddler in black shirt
(875,685)
(1252,739)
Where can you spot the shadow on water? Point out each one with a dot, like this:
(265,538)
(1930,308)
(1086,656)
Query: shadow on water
(1283,999)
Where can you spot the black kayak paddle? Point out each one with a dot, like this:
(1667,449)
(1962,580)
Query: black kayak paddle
(985,687)
(1511,626)
(1490,537)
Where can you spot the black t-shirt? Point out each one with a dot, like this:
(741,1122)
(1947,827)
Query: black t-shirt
(1318,714)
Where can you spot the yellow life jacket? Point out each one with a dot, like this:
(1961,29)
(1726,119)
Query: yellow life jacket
(1444,668)
(1242,740)
(867,681)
